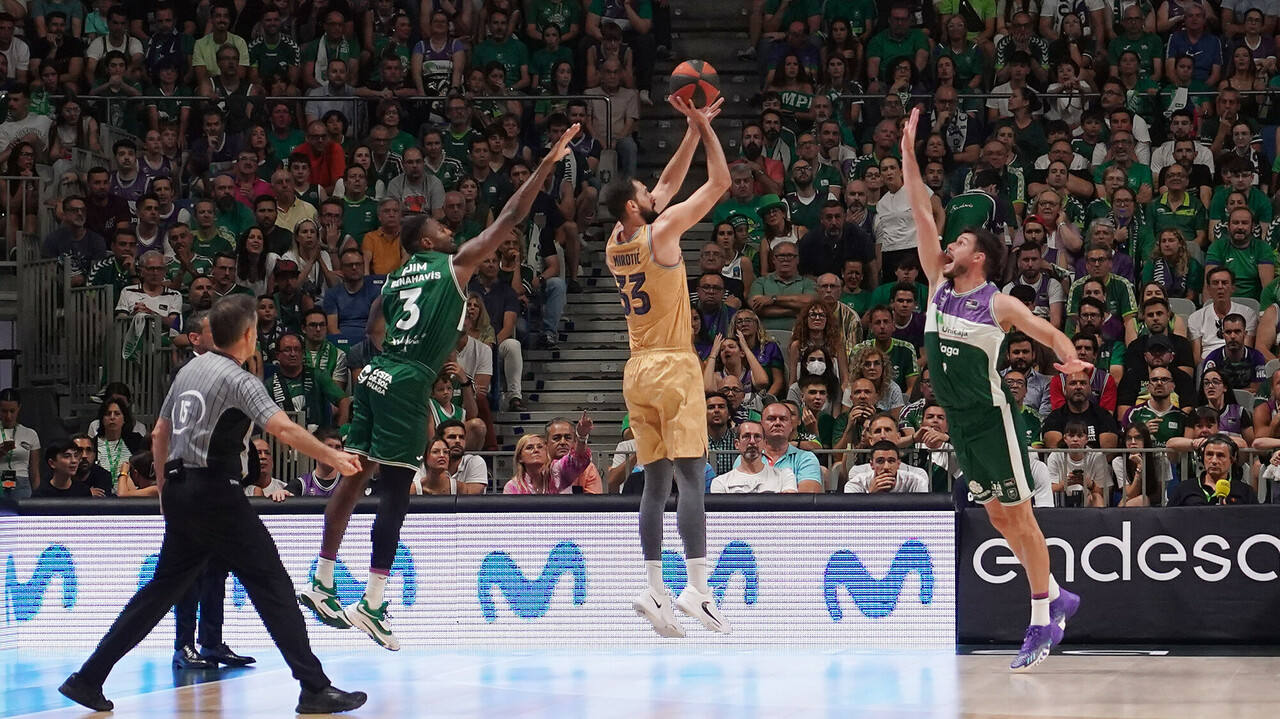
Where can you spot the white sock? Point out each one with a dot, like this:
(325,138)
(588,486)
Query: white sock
(1040,612)
(1054,590)
(698,575)
(653,570)
(373,592)
(324,571)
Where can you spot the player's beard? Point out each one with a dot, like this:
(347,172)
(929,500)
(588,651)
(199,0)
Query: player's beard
(649,215)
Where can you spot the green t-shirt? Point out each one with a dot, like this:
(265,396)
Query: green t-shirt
(881,295)
(1171,424)
(202,265)
(449,173)
(1188,218)
(1149,46)
(982,10)
(771,285)
(283,146)
(1243,262)
(857,12)
(886,47)
(1258,204)
(748,210)
(1137,175)
(806,215)
(795,102)
(170,110)
(643,8)
(359,217)
(1031,427)
(345,49)
(561,14)
(220,241)
(512,54)
(458,147)
(1173,97)
(968,63)
(274,60)
(110,272)
(544,60)
(1120,300)
(859,301)
(969,209)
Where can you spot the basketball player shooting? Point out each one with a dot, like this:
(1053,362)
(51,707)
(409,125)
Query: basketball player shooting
(662,381)
(964,328)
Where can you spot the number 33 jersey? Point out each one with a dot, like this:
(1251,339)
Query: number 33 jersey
(655,297)
(423,305)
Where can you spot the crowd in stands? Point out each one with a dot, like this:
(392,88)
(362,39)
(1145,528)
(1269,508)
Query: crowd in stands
(1124,150)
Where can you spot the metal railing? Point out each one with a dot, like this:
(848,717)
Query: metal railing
(1095,94)
(42,284)
(88,333)
(146,369)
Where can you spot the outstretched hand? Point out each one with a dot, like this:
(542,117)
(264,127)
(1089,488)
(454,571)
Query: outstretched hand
(908,145)
(560,150)
(585,425)
(1072,366)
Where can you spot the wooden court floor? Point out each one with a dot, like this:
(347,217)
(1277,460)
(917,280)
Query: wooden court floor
(677,684)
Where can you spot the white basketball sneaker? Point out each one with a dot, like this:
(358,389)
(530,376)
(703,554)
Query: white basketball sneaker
(657,608)
(703,608)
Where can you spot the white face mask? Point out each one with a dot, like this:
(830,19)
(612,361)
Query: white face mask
(816,366)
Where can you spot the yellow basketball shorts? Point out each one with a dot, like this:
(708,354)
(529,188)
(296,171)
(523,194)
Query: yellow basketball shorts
(664,394)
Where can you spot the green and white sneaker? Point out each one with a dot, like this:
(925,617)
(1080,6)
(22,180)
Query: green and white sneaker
(374,623)
(323,601)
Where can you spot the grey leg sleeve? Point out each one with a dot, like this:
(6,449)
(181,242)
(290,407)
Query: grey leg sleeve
(691,513)
(653,504)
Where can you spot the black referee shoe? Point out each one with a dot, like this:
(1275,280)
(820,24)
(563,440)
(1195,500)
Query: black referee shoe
(222,654)
(329,700)
(81,692)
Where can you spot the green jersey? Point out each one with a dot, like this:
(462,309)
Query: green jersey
(969,210)
(274,60)
(449,173)
(423,305)
(858,12)
(1172,423)
(962,340)
(359,217)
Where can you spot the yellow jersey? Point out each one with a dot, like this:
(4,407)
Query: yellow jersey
(655,297)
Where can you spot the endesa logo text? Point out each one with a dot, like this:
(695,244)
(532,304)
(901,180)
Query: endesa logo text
(1159,557)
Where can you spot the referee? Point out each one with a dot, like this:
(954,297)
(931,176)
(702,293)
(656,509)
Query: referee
(211,407)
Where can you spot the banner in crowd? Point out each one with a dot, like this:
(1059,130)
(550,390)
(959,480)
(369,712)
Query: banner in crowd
(883,580)
(1145,575)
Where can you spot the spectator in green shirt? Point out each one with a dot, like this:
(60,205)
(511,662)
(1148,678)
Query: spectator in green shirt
(898,40)
(296,388)
(359,211)
(1250,259)
(779,296)
(1148,46)
(503,47)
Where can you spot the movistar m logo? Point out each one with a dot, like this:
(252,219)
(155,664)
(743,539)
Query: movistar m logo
(876,598)
(736,558)
(349,588)
(23,600)
(530,599)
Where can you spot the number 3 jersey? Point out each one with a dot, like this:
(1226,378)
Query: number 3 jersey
(963,340)
(655,297)
(423,305)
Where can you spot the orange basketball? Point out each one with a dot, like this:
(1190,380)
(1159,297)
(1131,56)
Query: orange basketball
(696,81)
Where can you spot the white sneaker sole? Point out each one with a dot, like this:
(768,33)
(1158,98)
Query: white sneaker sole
(708,620)
(662,625)
(386,641)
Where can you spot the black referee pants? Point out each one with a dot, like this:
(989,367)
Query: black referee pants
(206,519)
(202,605)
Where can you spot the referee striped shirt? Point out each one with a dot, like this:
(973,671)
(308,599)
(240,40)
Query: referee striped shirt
(213,405)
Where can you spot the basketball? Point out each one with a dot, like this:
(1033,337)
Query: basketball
(696,81)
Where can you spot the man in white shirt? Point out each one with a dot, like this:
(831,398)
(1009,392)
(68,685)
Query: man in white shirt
(1181,127)
(150,296)
(23,125)
(753,475)
(14,49)
(1205,324)
(886,473)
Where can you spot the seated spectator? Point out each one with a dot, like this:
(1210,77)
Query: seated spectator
(1094,321)
(778,425)
(1020,357)
(1242,367)
(22,125)
(421,192)
(817,361)
(60,479)
(873,364)
(433,475)
(1250,258)
(348,304)
(320,355)
(729,359)
(269,329)
(767,351)
(1118,291)
(138,477)
(263,484)
(1205,324)
(215,149)
(20,447)
(710,304)
(560,440)
(74,242)
(1135,387)
(323,480)
(815,419)
(1219,455)
(383,253)
(932,448)
(886,473)
(1032,420)
(908,321)
(1141,476)
(116,440)
(117,270)
(536,473)
(739,411)
(1158,413)
(1232,417)
(88,471)
(1101,427)
(722,435)
(466,473)
(286,289)
(1157,319)
(150,296)
(780,296)
(502,306)
(623,115)
(295,387)
(902,354)
(1080,476)
(862,425)
(751,474)
(909,419)
(1050,301)
(815,328)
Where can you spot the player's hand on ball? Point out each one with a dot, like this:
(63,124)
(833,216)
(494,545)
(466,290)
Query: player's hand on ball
(347,464)
(585,425)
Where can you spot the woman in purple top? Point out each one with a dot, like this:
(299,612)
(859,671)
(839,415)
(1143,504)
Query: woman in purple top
(766,351)
(536,473)
(1232,418)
